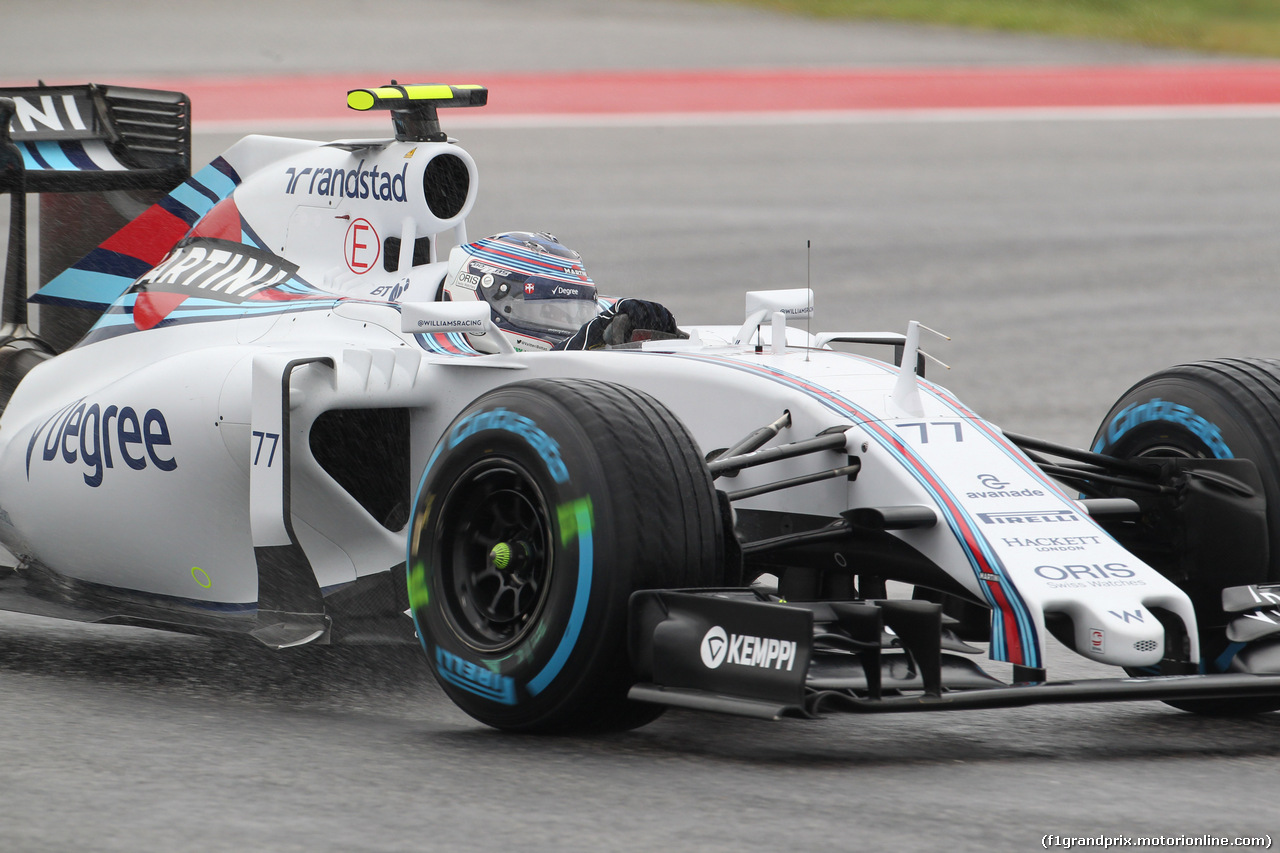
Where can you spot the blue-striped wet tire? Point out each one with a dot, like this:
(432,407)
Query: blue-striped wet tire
(1224,409)
(543,507)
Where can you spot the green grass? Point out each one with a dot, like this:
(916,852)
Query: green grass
(1247,27)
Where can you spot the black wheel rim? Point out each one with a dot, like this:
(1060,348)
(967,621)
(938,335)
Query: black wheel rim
(494,554)
(1165,442)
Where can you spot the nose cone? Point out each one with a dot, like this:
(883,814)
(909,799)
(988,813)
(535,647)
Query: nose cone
(1121,633)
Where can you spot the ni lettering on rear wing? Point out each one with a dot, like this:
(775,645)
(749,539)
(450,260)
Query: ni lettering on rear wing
(91,137)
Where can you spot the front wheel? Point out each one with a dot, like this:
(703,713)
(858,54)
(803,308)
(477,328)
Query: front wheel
(543,507)
(1221,409)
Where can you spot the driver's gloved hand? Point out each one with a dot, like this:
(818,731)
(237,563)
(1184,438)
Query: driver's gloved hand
(621,324)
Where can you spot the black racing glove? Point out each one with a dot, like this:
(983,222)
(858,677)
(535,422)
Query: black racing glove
(623,323)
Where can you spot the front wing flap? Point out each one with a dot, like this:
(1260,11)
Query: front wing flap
(739,652)
(721,651)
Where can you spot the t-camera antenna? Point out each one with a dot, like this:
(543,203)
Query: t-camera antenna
(808,317)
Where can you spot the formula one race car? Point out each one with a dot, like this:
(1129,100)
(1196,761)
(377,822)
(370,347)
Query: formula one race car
(250,411)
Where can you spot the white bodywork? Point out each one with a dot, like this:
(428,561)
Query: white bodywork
(143,459)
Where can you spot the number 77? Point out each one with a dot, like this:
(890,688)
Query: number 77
(262,437)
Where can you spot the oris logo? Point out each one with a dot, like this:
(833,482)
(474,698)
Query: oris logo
(719,647)
(1095,571)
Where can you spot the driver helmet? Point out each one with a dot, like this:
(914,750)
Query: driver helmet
(538,291)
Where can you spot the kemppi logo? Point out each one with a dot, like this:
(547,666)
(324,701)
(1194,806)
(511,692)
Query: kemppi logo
(715,645)
(720,647)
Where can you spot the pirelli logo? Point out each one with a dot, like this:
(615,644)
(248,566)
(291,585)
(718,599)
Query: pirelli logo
(1049,516)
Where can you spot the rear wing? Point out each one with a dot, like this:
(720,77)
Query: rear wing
(90,137)
(98,156)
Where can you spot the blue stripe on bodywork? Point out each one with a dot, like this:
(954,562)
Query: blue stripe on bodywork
(933,485)
(78,158)
(193,198)
(219,177)
(178,209)
(107,262)
(31,158)
(87,288)
(51,153)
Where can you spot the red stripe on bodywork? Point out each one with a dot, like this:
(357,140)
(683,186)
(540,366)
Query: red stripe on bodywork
(1015,651)
(1012,636)
(149,237)
(150,308)
(222,222)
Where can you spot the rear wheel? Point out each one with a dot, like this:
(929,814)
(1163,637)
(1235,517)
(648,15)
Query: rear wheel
(542,509)
(1222,409)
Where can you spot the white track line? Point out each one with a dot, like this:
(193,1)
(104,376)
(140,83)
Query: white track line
(739,119)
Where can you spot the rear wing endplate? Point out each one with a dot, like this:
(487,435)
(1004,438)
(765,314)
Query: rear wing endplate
(90,137)
(81,146)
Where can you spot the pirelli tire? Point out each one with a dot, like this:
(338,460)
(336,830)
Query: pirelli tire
(542,508)
(1225,408)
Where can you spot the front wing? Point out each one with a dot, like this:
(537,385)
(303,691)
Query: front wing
(740,651)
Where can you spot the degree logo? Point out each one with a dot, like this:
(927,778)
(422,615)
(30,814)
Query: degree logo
(96,436)
(362,247)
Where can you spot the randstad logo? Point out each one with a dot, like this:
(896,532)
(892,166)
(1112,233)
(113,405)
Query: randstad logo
(357,182)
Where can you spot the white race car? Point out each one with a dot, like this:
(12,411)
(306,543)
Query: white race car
(248,412)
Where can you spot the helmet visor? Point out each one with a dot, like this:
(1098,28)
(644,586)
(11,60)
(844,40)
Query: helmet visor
(556,313)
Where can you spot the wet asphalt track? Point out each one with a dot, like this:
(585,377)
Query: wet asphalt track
(1066,259)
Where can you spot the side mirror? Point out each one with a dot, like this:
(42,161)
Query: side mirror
(468,318)
(762,304)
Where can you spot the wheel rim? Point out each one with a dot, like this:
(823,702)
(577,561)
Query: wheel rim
(1166,443)
(494,554)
